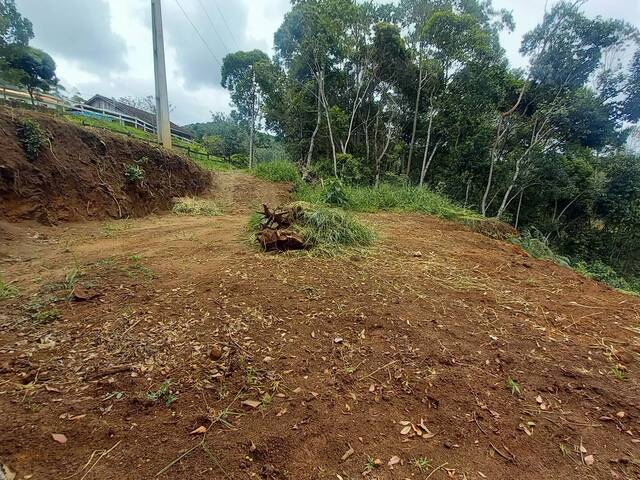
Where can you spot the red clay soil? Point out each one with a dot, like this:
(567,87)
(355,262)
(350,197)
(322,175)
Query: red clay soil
(303,367)
(80,175)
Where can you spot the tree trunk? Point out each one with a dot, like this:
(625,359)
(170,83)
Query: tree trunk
(381,156)
(30,90)
(423,170)
(415,121)
(253,122)
(328,117)
(315,132)
(518,211)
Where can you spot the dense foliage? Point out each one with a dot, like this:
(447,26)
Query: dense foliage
(420,93)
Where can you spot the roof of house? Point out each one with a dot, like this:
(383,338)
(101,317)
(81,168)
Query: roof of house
(137,113)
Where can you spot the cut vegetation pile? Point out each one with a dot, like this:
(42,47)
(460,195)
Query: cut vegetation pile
(52,170)
(301,225)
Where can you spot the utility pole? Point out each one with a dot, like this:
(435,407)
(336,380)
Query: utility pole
(162,99)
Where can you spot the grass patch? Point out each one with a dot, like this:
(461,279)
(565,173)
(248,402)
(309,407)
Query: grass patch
(277,171)
(112,228)
(195,206)
(326,230)
(7,291)
(32,137)
(384,198)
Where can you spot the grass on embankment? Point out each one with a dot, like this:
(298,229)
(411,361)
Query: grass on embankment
(195,206)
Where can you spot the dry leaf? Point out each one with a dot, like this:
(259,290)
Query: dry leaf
(404,423)
(59,437)
(539,399)
(582,449)
(372,388)
(405,430)
(393,461)
(588,460)
(200,429)
(620,414)
(348,453)
(251,403)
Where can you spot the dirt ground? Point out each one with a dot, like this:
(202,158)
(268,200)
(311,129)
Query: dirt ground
(440,354)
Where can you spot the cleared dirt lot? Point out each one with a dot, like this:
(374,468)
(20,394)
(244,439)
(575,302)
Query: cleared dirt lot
(303,367)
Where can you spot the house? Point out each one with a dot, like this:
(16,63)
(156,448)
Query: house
(101,106)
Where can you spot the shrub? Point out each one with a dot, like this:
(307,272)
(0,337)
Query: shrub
(334,193)
(195,206)
(602,272)
(134,173)
(32,137)
(277,171)
(239,160)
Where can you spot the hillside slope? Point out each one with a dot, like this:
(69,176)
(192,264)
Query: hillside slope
(80,173)
(302,367)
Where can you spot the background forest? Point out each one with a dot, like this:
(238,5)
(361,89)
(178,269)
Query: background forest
(420,93)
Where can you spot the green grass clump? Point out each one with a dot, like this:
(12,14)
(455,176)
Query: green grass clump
(195,206)
(7,291)
(386,198)
(163,394)
(277,171)
(536,245)
(602,272)
(332,229)
(325,229)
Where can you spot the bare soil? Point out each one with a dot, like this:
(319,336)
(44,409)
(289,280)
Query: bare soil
(80,173)
(305,367)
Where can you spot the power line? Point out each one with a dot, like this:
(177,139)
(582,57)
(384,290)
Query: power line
(213,26)
(226,25)
(200,35)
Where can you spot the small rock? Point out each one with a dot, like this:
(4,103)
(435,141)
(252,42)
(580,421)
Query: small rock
(393,461)
(588,460)
(59,437)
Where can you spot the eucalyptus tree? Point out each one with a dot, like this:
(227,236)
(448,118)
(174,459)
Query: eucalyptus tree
(248,76)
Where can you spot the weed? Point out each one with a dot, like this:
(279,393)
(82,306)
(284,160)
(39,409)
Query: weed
(137,269)
(45,316)
(195,206)
(371,465)
(32,138)
(566,450)
(335,194)
(618,373)
(513,386)
(277,171)
(266,399)
(7,291)
(163,394)
(422,463)
(71,279)
(111,228)
(134,173)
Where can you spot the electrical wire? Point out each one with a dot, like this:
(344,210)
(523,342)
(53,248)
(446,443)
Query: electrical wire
(224,20)
(215,30)
(215,58)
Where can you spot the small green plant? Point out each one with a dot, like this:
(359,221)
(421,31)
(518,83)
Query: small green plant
(334,193)
(371,465)
(513,386)
(618,373)
(422,463)
(71,279)
(137,269)
(113,395)
(46,315)
(277,171)
(134,173)
(195,206)
(32,137)
(7,291)
(163,394)
(565,449)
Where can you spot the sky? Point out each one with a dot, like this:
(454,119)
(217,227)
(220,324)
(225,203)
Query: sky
(105,46)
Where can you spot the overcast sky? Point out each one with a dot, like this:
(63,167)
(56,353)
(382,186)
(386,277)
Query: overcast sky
(104,46)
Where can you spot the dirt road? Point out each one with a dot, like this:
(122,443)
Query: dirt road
(441,354)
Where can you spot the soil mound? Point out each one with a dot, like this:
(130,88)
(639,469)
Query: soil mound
(81,173)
